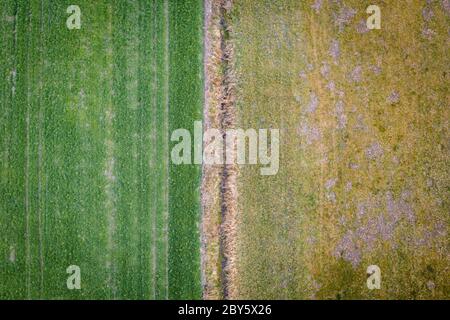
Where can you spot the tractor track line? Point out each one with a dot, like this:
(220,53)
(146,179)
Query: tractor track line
(110,168)
(166,146)
(27,164)
(41,199)
(155,111)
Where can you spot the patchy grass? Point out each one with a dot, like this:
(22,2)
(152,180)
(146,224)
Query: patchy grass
(364,149)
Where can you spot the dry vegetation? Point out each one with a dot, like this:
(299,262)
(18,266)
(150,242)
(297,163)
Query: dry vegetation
(364,149)
(219,192)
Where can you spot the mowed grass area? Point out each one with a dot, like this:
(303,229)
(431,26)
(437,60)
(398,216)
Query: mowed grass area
(364,172)
(85,177)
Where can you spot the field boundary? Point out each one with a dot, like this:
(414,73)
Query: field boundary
(219,191)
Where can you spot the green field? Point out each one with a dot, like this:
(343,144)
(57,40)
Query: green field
(87,116)
(85,177)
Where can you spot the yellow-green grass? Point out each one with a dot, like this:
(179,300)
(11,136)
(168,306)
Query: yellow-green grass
(84,176)
(364,175)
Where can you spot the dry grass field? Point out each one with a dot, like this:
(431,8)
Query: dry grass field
(364,168)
